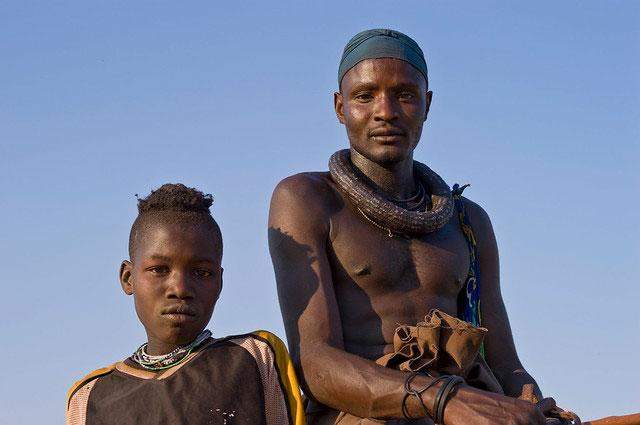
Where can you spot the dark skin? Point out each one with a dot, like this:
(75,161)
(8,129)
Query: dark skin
(175,277)
(344,285)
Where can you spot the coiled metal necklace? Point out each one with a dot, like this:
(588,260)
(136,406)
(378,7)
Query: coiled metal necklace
(400,217)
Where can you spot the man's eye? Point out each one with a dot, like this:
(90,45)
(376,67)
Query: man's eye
(406,96)
(363,97)
(159,269)
(203,273)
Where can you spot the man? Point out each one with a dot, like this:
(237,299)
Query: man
(379,241)
(181,375)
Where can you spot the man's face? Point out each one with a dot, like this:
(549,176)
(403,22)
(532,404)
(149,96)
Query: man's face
(176,278)
(383,104)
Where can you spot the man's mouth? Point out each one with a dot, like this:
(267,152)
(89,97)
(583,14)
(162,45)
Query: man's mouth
(386,135)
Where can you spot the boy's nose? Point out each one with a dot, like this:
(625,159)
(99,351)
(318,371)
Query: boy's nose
(180,287)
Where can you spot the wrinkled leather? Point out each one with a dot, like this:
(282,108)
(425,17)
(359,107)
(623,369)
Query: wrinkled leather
(442,345)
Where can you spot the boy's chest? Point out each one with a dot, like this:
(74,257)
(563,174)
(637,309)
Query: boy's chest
(203,393)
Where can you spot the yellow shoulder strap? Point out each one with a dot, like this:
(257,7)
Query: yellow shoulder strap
(93,375)
(288,378)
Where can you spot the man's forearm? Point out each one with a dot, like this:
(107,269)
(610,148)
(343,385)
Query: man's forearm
(361,387)
(350,383)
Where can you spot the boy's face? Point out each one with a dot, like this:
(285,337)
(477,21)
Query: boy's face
(175,278)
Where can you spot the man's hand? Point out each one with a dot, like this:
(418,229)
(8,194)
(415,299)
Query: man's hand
(470,406)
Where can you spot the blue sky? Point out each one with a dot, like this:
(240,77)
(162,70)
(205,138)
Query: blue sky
(535,104)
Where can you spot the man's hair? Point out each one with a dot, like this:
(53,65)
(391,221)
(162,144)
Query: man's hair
(176,203)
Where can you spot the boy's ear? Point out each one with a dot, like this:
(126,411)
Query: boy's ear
(220,284)
(125,277)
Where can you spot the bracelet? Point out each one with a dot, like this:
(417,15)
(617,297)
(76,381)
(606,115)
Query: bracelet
(417,393)
(442,397)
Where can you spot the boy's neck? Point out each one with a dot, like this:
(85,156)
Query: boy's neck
(158,348)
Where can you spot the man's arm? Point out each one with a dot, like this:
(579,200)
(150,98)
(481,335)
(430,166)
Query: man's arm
(499,346)
(298,234)
(299,224)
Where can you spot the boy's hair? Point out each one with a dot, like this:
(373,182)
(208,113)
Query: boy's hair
(176,203)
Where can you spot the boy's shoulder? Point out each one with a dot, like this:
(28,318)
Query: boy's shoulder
(257,355)
(271,357)
(275,368)
(263,348)
(78,395)
(90,377)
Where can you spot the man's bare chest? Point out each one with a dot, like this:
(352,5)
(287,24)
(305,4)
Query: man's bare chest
(366,257)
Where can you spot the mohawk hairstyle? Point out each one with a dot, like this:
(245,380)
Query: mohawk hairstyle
(177,203)
(176,197)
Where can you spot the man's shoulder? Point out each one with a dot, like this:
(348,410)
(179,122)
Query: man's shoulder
(308,199)
(477,215)
(310,185)
(480,223)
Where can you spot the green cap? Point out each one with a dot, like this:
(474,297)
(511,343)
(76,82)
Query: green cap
(381,43)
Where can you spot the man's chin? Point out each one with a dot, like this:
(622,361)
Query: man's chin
(387,155)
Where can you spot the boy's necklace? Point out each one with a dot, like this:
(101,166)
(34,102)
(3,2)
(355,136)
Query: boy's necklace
(165,361)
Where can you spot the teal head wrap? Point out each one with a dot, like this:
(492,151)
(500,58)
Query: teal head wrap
(381,43)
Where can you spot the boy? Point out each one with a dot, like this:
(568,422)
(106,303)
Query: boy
(181,375)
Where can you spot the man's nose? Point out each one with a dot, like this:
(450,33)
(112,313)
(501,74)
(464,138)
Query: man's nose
(386,108)
(180,286)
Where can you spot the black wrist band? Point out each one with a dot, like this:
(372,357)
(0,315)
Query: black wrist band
(442,396)
(417,393)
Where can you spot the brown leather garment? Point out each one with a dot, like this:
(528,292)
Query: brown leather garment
(442,345)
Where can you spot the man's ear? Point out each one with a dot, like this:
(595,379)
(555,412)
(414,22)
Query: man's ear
(125,277)
(429,98)
(338,105)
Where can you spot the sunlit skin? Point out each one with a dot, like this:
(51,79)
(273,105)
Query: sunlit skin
(175,277)
(344,285)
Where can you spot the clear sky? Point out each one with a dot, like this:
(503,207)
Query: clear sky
(536,104)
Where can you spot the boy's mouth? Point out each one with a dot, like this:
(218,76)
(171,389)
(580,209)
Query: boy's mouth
(179,313)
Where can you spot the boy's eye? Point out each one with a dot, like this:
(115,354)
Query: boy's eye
(203,273)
